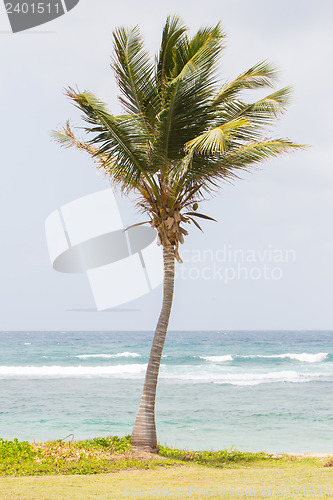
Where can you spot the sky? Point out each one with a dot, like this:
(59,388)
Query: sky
(265,265)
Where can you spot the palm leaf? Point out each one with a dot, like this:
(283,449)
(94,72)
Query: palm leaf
(134,71)
(201,216)
(66,138)
(181,136)
(196,223)
(187,97)
(268,108)
(261,74)
(217,139)
(227,166)
(136,225)
(119,140)
(188,48)
(172,39)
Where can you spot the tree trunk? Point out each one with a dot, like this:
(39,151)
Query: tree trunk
(144,431)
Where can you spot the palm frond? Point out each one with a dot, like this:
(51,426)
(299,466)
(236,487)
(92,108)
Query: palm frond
(261,74)
(217,139)
(172,38)
(201,216)
(187,97)
(136,225)
(201,51)
(135,75)
(196,223)
(180,136)
(228,166)
(120,140)
(268,108)
(66,138)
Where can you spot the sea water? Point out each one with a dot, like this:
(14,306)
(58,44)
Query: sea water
(254,391)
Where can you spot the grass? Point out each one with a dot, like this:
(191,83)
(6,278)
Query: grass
(222,458)
(106,468)
(92,456)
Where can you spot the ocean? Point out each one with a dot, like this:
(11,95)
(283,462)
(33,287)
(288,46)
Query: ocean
(257,391)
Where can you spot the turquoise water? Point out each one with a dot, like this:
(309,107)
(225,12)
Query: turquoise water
(269,391)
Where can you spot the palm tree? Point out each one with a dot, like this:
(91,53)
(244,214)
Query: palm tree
(180,136)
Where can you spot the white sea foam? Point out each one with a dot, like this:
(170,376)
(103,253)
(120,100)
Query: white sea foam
(217,359)
(109,356)
(243,379)
(175,374)
(266,378)
(303,357)
(308,358)
(117,371)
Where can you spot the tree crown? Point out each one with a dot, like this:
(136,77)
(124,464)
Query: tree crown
(181,133)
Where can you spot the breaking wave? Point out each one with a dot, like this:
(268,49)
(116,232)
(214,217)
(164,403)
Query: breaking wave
(302,357)
(244,379)
(117,371)
(195,374)
(217,359)
(109,356)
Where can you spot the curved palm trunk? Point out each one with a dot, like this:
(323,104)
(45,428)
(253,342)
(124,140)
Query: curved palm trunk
(144,431)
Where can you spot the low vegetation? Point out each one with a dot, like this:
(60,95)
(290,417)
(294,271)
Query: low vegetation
(92,456)
(113,453)
(219,458)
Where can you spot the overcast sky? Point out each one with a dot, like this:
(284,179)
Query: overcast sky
(278,218)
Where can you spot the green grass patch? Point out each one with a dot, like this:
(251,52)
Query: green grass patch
(92,456)
(113,453)
(235,458)
(219,458)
